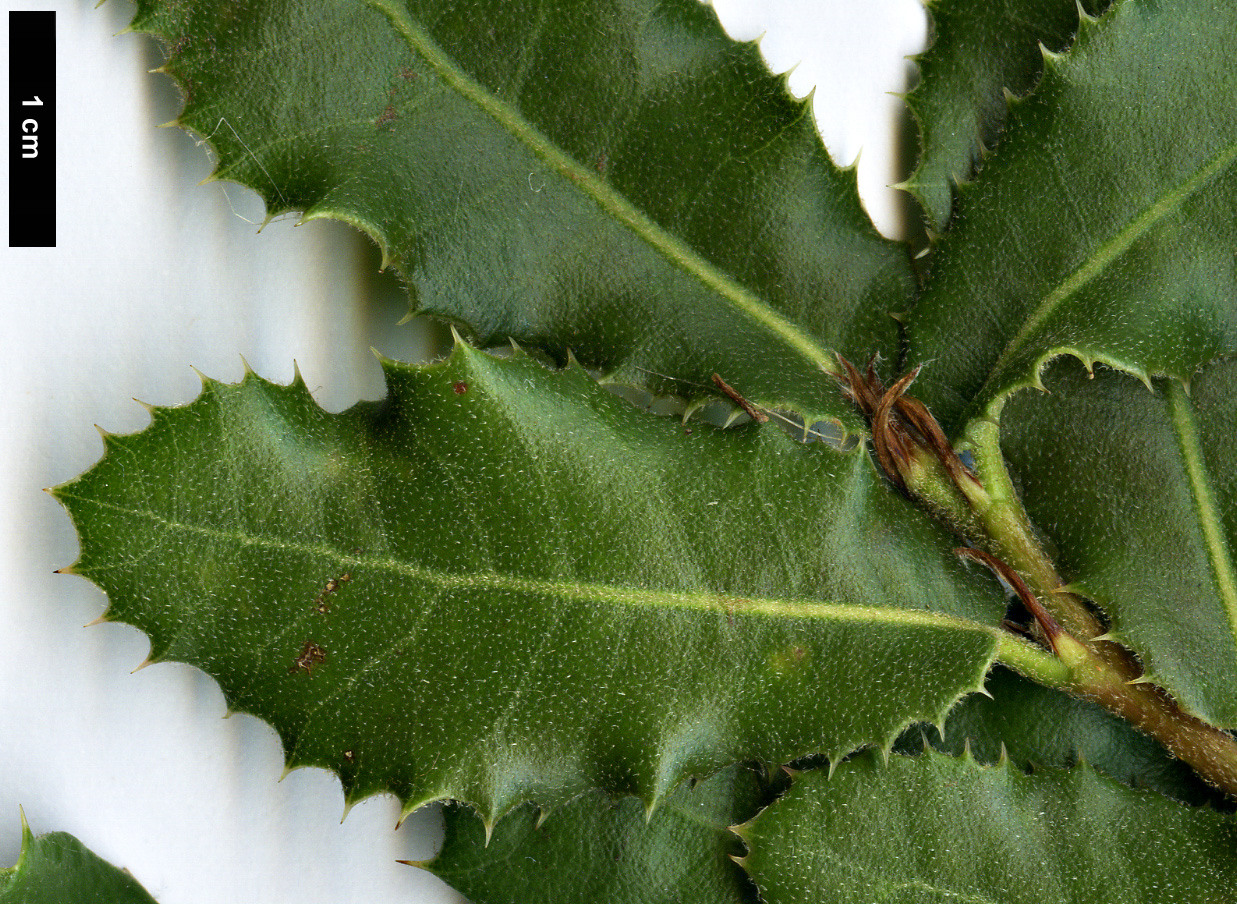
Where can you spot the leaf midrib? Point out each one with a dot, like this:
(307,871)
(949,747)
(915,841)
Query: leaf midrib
(611,202)
(1219,555)
(1103,256)
(703,601)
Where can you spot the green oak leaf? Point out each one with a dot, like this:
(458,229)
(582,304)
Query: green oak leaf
(1162,468)
(979,50)
(938,828)
(503,584)
(618,180)
(1037,726)
(598,851)
(1102,226)
(57,868)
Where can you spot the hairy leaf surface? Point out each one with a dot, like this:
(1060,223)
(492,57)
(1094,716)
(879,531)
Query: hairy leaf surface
(1038,726)
(618,180)
(939,828)
(599,851)
(502,583)
(1102,226)
(979,50)
(1137,492)
(56,868)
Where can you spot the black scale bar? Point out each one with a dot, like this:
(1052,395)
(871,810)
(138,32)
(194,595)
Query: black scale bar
(32,129)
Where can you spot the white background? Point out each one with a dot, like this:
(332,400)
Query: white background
(152,274)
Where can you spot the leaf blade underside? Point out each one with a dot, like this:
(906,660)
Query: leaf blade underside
(1161,467)
(1101,227)
(502,584)
(933,827)
(523,168)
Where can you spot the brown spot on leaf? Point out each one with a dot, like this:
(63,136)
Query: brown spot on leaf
(350,756)
(460,387)
(388,115)
(310,657)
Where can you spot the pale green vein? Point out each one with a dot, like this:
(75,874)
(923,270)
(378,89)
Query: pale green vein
(615,205)
(1204,499)
(704,601)
(1114,248)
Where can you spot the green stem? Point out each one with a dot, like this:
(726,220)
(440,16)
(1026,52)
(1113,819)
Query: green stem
(1079,669)
(1007,533)
(1033,662)
(990,515)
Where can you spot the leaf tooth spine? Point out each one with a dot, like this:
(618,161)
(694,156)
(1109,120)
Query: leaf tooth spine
(145,664)
(1049,57)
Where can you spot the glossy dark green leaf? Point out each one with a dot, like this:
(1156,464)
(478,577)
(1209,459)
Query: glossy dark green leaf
(936,828)
(1102,226)
(600,851)
(617,179)
(57,868)
(1137,493)
(503,583)
(1038,726)
(979,50)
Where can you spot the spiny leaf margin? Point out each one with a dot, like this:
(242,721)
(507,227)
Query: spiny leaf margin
(1141,252)
(976,53)
(56,867)
(936,827)
(572,222)
(1160,563)
(509,685)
